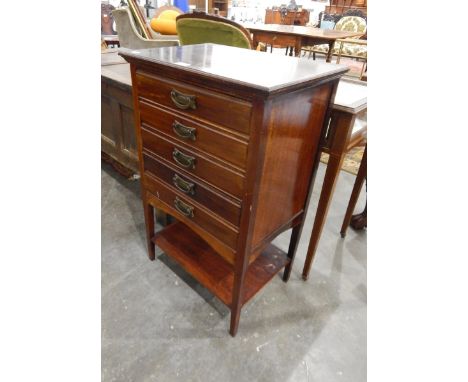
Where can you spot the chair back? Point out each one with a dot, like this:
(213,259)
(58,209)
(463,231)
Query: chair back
(126,28)
(129,36)
(107,21)
(200,28)
(351,24)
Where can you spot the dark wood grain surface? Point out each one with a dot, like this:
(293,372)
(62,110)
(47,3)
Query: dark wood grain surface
(199,259)
(227,208)
(213,139)
(236,113)
(207,168)
(293,141)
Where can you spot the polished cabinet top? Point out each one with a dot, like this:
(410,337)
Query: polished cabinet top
(259,70)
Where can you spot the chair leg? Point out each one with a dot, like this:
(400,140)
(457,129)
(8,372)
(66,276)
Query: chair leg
(364,65)
(313,56)
(360,177)
(359,221)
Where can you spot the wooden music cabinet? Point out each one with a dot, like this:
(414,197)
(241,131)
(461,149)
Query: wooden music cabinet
(230,150)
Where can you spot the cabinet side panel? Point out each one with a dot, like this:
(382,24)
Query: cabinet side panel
(293,135)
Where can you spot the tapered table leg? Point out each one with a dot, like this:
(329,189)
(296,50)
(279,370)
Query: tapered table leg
(342,125)
(331,176)
(236,305)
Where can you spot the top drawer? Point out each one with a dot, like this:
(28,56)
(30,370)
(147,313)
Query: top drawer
(195,102)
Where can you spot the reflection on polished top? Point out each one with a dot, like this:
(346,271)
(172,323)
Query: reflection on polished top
(259,70)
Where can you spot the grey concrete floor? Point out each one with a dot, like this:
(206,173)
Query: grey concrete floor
(158,324)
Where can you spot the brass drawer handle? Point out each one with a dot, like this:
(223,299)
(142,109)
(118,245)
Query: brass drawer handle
(183,185)
(183,208)
(183,131)
(184,160)
(183,101)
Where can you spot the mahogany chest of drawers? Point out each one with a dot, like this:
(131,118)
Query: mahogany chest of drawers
(230,150)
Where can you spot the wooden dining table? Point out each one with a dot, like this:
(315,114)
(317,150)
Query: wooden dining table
(296,36)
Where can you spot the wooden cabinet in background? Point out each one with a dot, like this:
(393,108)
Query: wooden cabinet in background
(231,153)
(290,18)
(221,5)
(341,6)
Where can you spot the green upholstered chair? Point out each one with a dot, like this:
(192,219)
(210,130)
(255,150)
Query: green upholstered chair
(200,28)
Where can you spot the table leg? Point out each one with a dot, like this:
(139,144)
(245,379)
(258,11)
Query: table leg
(361,219)
(255,41)
(293,243)
(149,224)
(342,124)
(298,47)
(331,44)
(329,182)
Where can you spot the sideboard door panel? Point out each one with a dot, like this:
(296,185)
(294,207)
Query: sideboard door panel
(108,136)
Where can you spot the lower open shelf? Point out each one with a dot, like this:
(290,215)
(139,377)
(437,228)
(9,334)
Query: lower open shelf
(210,269)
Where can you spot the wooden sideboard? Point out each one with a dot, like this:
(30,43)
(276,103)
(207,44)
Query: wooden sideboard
(231,152)
(118,143)
(274,16)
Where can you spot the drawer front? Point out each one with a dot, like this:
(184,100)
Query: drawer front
(193,189)
(194,163)
(195,102)
(183,208)
(195,134)
(276,39)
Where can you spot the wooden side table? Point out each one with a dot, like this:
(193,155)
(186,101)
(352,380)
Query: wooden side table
(350,102)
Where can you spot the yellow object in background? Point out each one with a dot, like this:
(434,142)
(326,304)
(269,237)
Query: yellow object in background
(165,23)
(169,14)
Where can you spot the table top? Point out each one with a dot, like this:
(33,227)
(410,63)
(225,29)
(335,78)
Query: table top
(240,66)
(119,73)
(351,96)
(111,57)
(298,30)
(115,67)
